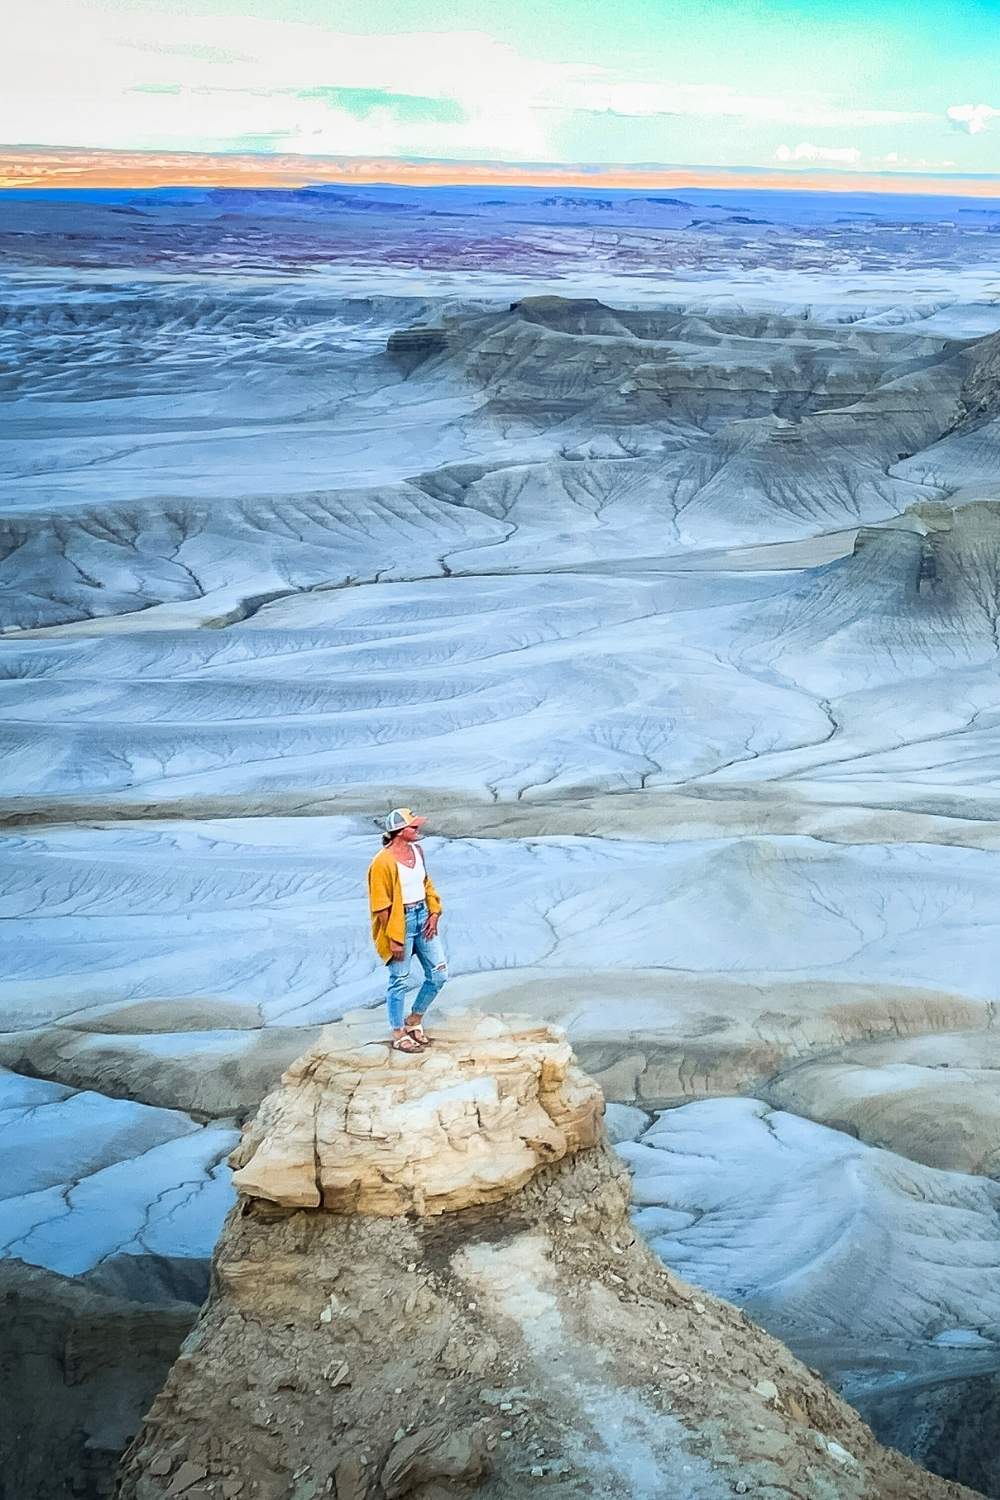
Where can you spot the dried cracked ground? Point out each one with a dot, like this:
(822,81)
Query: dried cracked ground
(681,620)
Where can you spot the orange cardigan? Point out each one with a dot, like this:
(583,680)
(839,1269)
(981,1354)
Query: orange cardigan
(385,889)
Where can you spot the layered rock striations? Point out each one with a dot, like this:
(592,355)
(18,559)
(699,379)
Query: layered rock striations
(464,1308)
(348,1132)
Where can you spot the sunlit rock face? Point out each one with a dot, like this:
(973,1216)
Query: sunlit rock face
(358,1127)
(674,602)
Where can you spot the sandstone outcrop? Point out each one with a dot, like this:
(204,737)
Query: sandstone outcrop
(525,1342)
(356,1127)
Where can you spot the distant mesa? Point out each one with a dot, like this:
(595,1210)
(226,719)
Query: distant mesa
(551,308)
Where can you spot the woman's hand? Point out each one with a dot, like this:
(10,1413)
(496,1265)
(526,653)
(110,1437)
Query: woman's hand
(431,925)
(396,950)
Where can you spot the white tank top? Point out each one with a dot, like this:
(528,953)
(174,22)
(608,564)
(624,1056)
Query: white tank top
(413,880)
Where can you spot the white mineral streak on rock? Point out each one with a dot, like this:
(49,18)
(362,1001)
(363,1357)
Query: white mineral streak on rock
(356,1126)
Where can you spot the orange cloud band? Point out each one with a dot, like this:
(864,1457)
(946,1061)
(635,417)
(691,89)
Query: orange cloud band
(55,167)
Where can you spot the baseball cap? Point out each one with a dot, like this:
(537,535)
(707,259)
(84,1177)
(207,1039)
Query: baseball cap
(402,817)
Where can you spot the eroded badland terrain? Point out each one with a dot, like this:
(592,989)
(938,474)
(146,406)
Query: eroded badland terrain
(653,550)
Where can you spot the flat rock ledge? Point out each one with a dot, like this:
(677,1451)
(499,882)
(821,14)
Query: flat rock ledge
(355,1127)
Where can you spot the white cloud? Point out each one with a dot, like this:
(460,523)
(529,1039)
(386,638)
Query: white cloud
(973,118)
(718,101)
(835,117)
(806,151)
(77,72)
(240,81)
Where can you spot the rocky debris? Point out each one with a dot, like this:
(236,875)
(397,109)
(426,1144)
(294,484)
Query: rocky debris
(526,1342)
(359,1128)
(431,1453)
(187,1475)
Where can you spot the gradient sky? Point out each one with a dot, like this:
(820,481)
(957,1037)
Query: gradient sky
(860,85)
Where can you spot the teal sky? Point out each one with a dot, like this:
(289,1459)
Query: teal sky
(888,86)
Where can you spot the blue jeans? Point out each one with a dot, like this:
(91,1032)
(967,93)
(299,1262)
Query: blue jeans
(430,952)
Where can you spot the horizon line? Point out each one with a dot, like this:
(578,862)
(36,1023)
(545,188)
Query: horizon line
(35,168)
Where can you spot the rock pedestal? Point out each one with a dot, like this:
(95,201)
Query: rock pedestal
(431,1289)
(356,1127)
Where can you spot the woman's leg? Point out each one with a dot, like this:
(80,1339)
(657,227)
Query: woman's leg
(397,973)
(430,952)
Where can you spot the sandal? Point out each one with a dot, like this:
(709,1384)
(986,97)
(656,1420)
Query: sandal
(405,1044)
(420,1036)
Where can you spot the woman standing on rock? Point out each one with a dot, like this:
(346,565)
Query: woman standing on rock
(405,909)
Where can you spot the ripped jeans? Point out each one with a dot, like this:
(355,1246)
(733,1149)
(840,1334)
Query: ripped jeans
(430,952)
